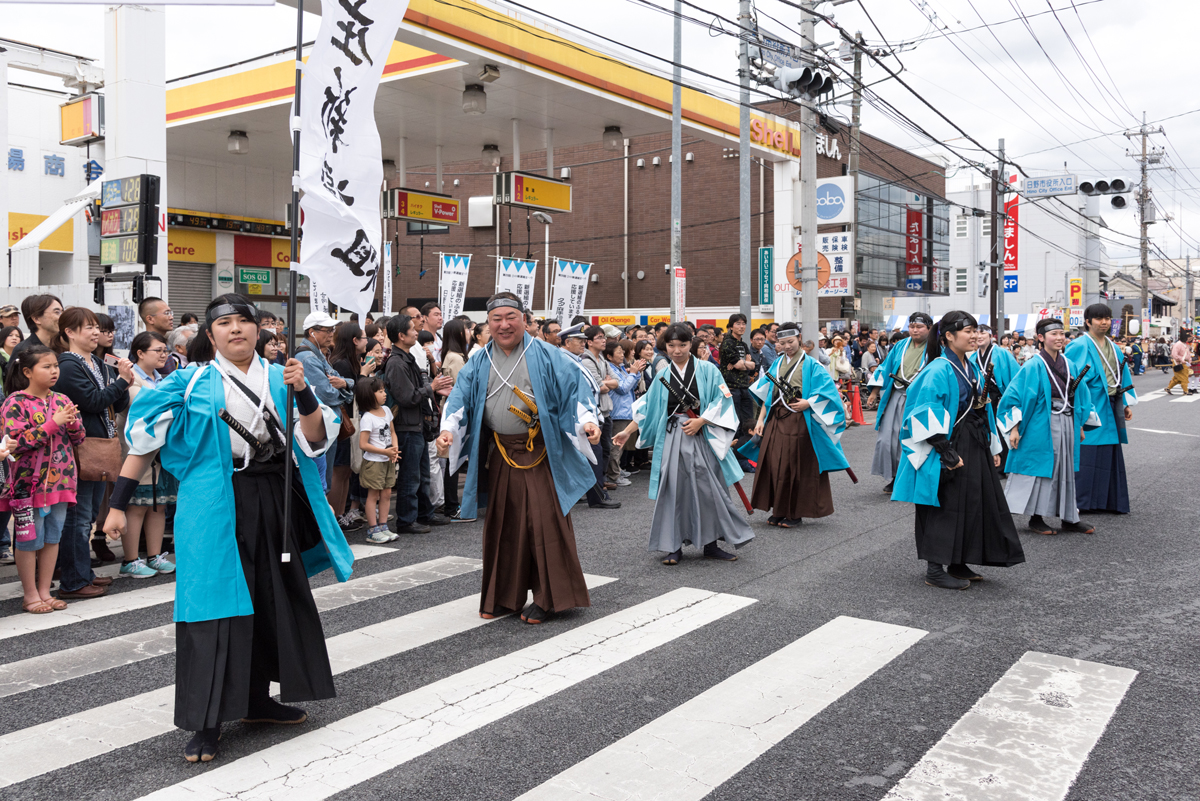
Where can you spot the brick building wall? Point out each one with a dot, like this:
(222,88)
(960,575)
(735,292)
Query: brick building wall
(593,231)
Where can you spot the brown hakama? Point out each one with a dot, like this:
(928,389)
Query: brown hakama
(527,542)
(788,482)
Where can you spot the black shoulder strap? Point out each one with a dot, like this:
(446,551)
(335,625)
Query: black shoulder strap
(272,425)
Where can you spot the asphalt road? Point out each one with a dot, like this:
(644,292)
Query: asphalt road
(1124,597)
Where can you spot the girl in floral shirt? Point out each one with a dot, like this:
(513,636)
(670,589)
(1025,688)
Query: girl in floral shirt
(41,426)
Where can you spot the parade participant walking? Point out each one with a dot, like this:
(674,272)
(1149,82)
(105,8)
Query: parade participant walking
(800,438)
(694,464)
(1100,482)
(1181,361)
(244,613)
(1045,404)
(530,403)
(962,518)
(999,367)
(894,376)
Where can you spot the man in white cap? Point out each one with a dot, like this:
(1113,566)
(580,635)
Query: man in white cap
(329,387)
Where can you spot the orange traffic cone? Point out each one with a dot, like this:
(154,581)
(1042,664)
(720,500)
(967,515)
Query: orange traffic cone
(856,404)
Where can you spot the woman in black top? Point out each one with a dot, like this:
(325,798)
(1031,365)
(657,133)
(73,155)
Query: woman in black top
(100,396)
(349,345)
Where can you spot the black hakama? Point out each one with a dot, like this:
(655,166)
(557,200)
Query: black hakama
(1100,482)
(972,525)
(220,665)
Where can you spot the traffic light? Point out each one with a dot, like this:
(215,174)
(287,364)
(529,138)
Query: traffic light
(1117,187)
(802,82)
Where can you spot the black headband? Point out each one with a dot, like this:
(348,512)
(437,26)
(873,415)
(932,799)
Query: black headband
(226,309)
(1054,326)
(499,303)
(921,317)
(958,325)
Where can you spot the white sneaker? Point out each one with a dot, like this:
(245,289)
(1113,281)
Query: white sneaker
(625,474)
(380,535)
(355,516)
(623,482)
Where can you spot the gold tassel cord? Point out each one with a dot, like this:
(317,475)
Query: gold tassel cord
(530,419)
(513,464)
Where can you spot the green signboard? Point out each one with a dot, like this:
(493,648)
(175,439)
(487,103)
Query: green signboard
(766,275)
(247,275)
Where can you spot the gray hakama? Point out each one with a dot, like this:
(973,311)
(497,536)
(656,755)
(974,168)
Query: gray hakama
(886,461)
(1053,496)
(693,505)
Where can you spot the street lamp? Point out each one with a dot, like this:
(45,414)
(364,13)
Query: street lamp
(545,219)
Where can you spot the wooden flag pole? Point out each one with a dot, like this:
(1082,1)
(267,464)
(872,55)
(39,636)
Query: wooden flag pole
(295,259)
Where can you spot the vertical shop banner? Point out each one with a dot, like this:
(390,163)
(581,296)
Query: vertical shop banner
(570,289)
(835,265)
(1075,291)
(453,270)
(680,290)
(516,276)
(341,166)
(914,269)
(318,301)
(1011,238)
(766,276)
(385,302)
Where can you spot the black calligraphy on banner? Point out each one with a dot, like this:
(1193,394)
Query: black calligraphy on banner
(338,190)
(334,110)
(361,258)
(354,33)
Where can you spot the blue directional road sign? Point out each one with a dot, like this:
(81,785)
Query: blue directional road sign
(1010,283)
(914,283)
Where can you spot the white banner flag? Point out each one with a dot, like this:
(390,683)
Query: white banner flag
(517,276)
(452,283)
(385,305)
(341,165)
(570,289)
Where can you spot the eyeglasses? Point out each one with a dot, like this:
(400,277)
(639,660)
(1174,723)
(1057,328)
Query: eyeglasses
(165,312)
(155,350)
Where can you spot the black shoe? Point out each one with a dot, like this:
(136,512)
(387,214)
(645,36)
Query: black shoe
(203,745)
(534,614)
(605,504)
(413,528)
(102,551)
(269,710)
(963,572)
(888,486)
(673,558)
(713,551)
(1080,526)
(1039,526)
(436,520)
(935,576)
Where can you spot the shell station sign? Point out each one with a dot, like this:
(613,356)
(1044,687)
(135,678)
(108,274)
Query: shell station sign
(787,140)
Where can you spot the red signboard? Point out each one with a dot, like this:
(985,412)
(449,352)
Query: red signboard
(913,225)
(1010,231)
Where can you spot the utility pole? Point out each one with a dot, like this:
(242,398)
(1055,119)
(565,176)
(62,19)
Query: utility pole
(745,21)
(855,148)
(1145,210)
(810,318)
(1189,307)
(1002,190)
(994,263)
(677,313)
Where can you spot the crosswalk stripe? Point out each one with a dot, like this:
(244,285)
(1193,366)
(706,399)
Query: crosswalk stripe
(1152,395)
(94,608)
(1186,399)
(12,589)
(1026,738)
(50,746)
(84,660)
(332,758)
(690,751)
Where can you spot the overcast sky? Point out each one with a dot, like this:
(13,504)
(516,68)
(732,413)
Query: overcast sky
(1054,95)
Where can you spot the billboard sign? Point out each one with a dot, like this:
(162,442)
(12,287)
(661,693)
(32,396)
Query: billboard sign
(835,201)
(1075,290)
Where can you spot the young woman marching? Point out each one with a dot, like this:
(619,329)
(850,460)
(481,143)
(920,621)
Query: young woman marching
(244,613)
(962,517)
(44,426)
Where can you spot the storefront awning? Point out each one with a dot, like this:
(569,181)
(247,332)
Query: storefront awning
(25,251)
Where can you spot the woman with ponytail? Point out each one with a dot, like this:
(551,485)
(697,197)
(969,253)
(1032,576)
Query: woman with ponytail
(950,468)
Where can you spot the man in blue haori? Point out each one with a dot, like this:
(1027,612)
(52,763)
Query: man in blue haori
(800,441)
(527,405)
(688,420)
(1100,482)
(1043,414)
(904,361)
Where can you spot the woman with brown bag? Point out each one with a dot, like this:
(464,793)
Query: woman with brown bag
(99,396)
